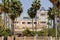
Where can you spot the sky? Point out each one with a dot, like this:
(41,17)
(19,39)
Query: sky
(26,4)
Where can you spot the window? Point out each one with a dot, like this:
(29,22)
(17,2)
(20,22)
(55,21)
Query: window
(42,14)
(23,22)
(43,22)
(35,22)
(57,20)
(28,22)
(16,22)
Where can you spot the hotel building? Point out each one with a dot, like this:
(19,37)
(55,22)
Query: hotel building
(40,22)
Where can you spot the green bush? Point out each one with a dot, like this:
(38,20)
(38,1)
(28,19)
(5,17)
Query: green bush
(27,32)
(1,31)
(6,32)
(51,32)
(40,33)
(44,32)
(33,33)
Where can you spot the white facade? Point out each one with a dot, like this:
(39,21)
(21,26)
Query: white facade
(40,22)
(43,18)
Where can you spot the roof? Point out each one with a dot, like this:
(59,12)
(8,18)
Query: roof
(42,9)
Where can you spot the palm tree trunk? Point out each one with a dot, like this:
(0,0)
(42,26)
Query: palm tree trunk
(59,23)
(51,23)
(36,25)
(54,24)
(12,26)
(5,38)
(13,29)
(48,28)
(32,25)
(4,25)
(6,20)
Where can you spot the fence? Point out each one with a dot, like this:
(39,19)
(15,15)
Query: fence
(28,38)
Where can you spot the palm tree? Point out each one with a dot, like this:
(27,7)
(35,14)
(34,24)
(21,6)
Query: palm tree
(5,10)
(33,10)
(32,14)
(16,10)
(0,9)
(58,12)
(51,16)
(36,5)
(58,4)
(54,2)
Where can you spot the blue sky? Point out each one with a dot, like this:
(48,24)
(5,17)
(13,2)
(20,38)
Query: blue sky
(26,4)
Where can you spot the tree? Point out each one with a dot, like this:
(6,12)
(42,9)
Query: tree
(1,31)
(33,10)
(32,14)
(6,32)
(58,11)
(0,21)
(36,4)
(16,10)
(0,9)
(51,32)
(51,15)
(54,2)
(5,10)
(58,4)
(55,14)
(55,8)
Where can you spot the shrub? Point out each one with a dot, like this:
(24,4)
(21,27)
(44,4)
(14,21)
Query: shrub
(27,32)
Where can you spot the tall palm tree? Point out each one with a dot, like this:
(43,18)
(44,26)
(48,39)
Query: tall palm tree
(56,5)
(32,14)
(0,15)
(58,11)
(33,10)
(16,10)
(0,9)
(51,16)
(5,11)
(36,5)
(54,2)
